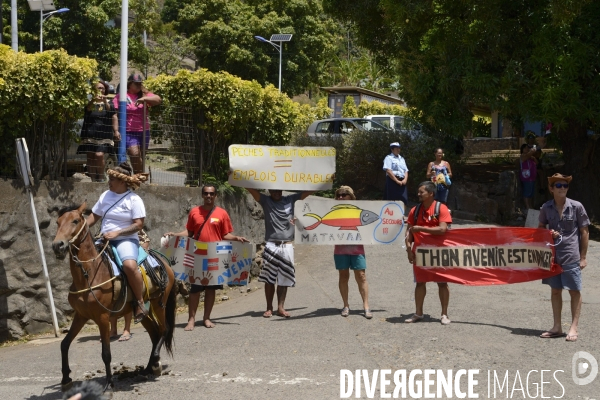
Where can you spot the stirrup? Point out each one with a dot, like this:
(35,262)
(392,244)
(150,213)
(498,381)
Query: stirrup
(142,314)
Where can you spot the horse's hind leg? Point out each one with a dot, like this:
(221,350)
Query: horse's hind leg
(156,335)
(76,325)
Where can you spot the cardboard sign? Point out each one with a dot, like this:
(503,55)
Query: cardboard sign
(284,168)
(485,256)
(327,222)
(213,263)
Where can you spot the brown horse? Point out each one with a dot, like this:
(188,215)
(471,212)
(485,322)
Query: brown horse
(92,296)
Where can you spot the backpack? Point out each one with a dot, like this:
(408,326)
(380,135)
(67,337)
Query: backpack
(436,212)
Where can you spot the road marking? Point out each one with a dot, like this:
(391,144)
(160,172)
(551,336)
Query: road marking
(273,379)
(30,378)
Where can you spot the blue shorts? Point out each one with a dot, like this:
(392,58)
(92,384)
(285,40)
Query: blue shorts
(570,279)
(528,189)
(354,262)
(136,138)
(126,248)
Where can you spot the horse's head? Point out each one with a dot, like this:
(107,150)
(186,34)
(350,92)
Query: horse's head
(70,223)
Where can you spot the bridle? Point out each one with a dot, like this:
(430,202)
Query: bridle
(72,244)
(84,271)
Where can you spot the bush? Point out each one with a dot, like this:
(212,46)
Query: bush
(223,109)
(41,96)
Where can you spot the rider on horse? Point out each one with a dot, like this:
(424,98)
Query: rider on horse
(122,213)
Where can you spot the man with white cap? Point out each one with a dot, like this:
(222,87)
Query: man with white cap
(396,171)
(568,223)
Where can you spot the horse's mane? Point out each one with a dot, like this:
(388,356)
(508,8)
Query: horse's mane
(66,210)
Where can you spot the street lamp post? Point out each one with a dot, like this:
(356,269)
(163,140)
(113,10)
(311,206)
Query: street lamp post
(41,6)
(44,17)
(286,37)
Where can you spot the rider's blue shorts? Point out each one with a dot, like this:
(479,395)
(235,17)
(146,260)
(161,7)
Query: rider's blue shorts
(126,248)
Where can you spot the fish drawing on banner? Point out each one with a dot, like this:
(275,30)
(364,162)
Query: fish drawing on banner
(344,216)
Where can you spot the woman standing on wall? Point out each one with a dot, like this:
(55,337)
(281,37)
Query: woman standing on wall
(97,133)
(138,97)
(440,172)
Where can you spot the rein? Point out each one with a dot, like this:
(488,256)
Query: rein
(85,272)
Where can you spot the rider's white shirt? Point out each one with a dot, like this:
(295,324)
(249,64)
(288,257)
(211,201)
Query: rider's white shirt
(126,209)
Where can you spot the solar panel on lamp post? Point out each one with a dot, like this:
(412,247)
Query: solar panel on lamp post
(279,37)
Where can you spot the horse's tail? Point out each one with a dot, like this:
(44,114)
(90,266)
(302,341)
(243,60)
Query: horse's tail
(170,313)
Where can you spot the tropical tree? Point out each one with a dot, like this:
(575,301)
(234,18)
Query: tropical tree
(527,60)
(223,31)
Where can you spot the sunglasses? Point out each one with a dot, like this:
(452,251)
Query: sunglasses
(342,194)
(209,194)
(561,185)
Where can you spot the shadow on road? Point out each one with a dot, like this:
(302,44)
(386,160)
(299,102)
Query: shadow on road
(327,312)
(429,319)
(129,383)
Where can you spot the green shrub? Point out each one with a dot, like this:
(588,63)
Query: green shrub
(41,96)
(223,110)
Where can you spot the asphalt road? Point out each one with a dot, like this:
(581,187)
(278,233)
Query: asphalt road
(493,329)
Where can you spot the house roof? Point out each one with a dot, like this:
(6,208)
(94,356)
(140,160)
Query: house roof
(355,89)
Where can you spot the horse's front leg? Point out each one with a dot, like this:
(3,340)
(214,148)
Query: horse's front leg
(76,325)
(104,325)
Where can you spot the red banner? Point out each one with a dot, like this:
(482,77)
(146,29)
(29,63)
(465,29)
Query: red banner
(485,256)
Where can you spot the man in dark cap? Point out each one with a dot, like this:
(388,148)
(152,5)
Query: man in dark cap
(568,222)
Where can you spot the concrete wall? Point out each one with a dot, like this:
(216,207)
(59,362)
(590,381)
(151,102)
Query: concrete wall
(24,307)
(485,201)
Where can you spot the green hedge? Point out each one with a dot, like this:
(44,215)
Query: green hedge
(225,109)
(41,95)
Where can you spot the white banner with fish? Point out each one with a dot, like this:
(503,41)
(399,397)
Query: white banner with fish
(327,221)
(213,263)
(284,168)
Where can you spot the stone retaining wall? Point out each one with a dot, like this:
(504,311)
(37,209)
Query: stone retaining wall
(24,306)
(485,145)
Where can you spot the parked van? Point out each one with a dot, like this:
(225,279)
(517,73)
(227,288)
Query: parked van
(397,123)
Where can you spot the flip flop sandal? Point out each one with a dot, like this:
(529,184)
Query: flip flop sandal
(368,314)
(552,335)
(345,311)
(414,318)
(572,338)
(125,338)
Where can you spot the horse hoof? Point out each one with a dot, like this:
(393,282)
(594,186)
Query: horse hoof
(66,386)
(108,390)
(157,369)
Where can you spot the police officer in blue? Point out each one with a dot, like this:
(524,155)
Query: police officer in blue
(396,178)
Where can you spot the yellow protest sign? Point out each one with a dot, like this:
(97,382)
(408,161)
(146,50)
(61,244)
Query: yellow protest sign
(286,167)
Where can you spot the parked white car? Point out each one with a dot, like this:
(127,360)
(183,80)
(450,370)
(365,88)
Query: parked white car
(397,123)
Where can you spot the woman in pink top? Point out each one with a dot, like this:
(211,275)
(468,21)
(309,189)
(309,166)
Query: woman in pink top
(351,257)
(138,97)
(528,173)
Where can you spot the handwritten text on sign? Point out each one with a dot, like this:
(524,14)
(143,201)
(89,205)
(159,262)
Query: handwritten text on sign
(485,256)
(327,222)
(477,257)
(290,168)
(213,263)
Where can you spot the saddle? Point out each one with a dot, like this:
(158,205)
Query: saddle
(154,277)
